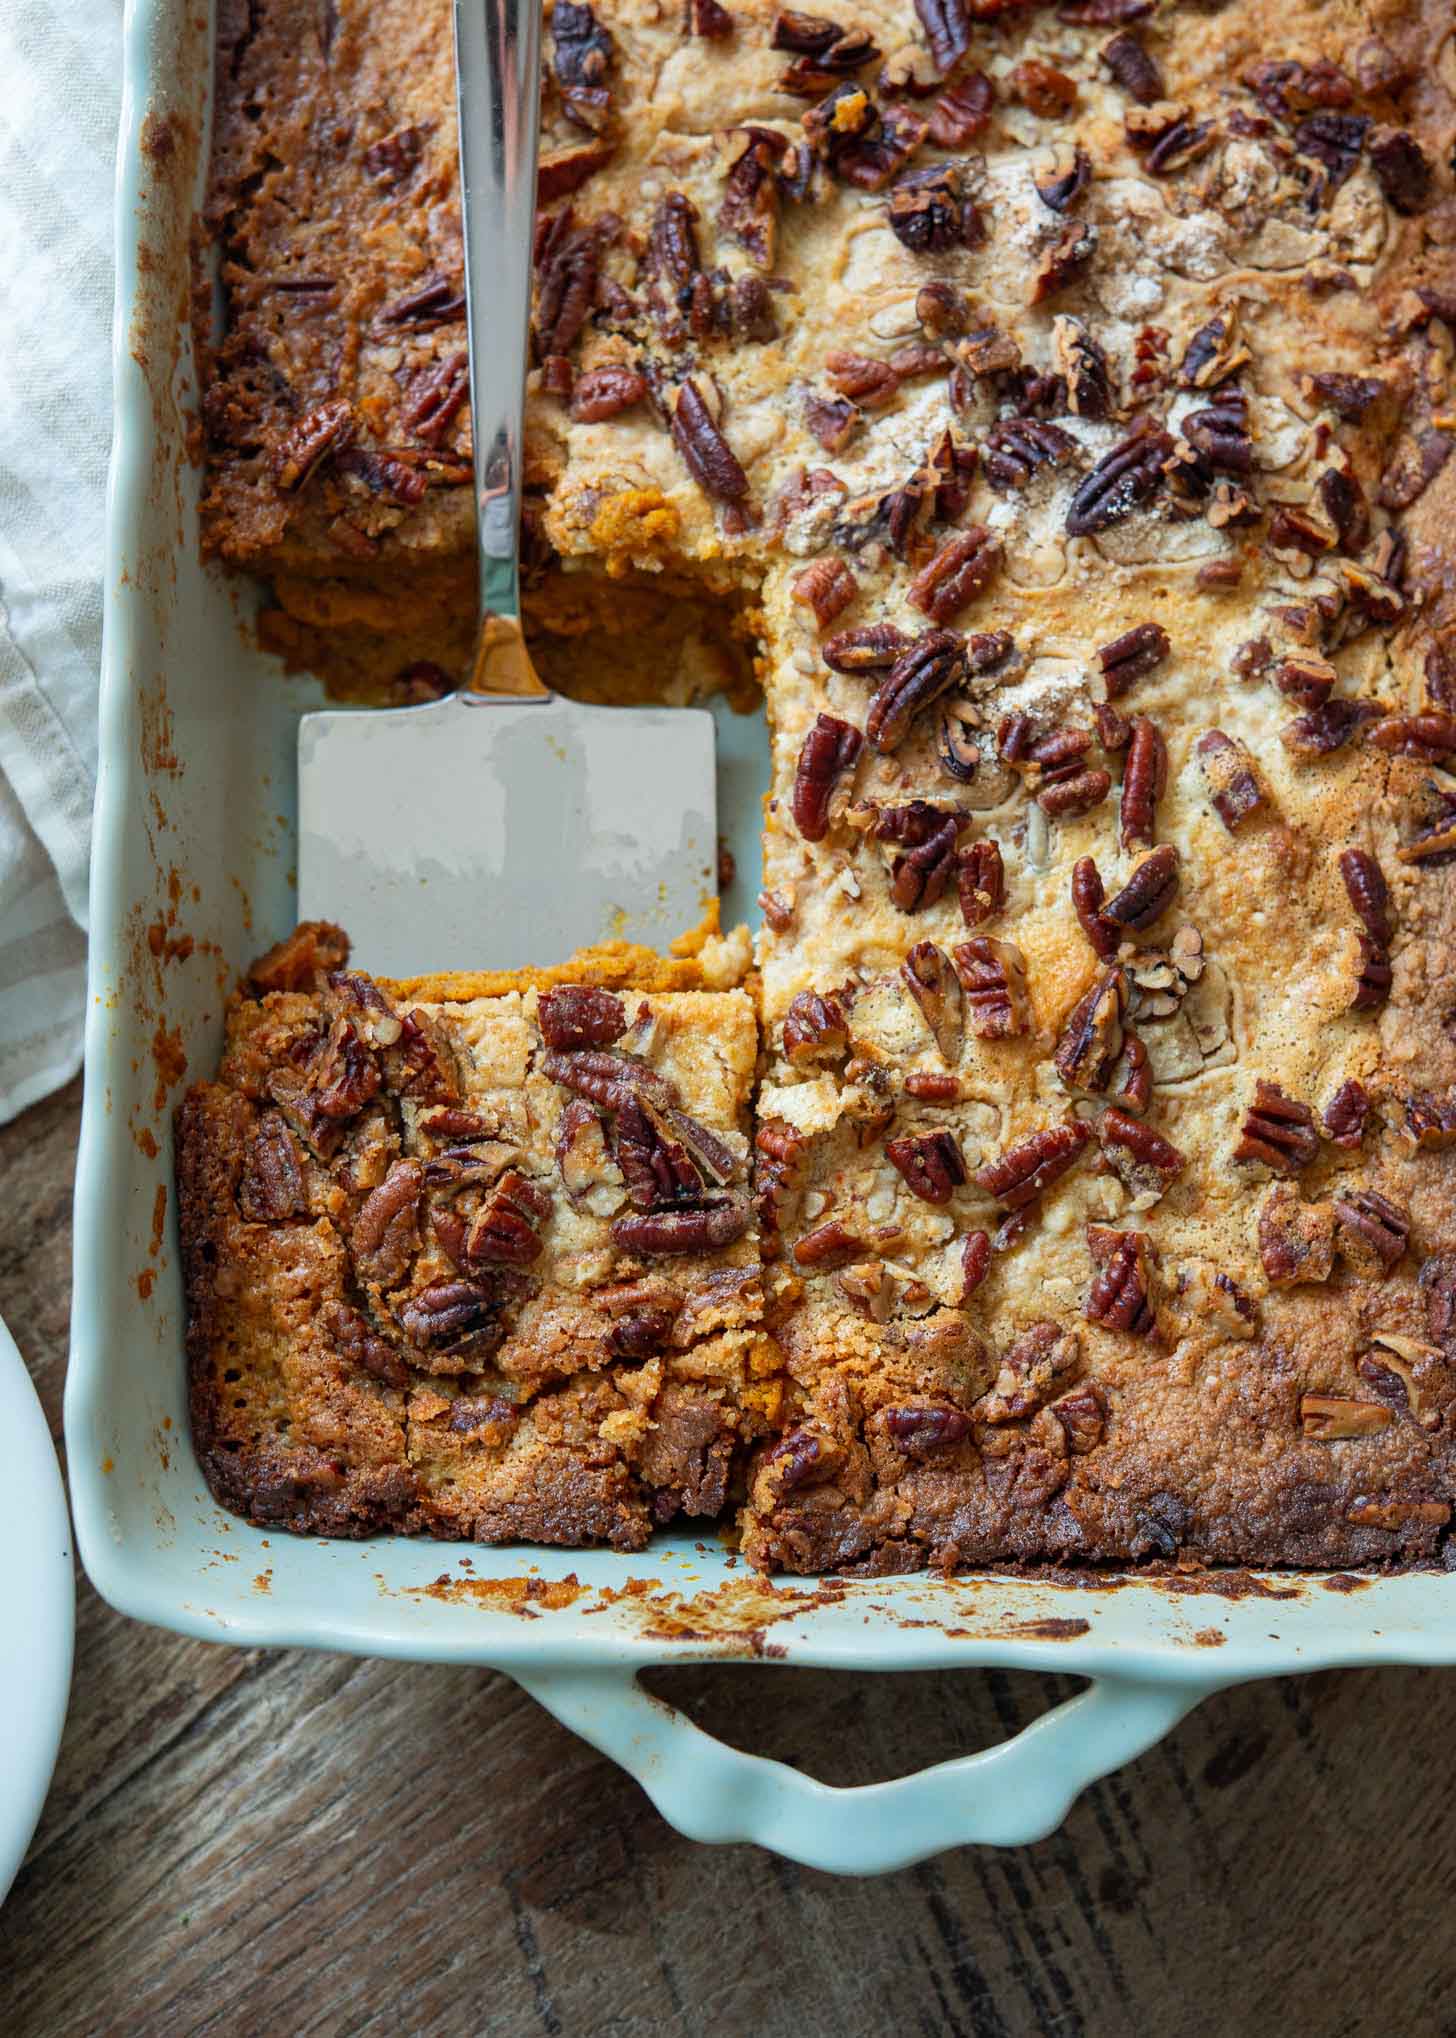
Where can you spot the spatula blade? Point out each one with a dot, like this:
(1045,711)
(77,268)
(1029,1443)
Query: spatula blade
(492,834)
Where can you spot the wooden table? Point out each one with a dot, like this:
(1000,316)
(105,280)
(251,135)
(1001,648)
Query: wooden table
(262,1842)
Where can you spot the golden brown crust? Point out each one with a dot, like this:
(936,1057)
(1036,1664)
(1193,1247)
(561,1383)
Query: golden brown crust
(1121,1227)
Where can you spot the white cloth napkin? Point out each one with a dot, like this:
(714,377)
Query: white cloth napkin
(58,122)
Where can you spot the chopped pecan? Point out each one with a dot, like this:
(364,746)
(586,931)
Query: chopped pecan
(816,1027)
(930,667)
(1121,481)
(1143,779)
(711,21)
(1062,176)
(993,977)
(1047,92)
(1228,772)
(1215,352)
(1402,169)
(582,1154)
(1131,64)
(1416,464)
(1120,1297)
(1278,1131)
(873,647)
(384,1234)
(1149,892)
(930,1162)
(1179,145)
(1348,396)
(661,1233)
(975,1258)
(828,1245)
(1131,657)
(1296,1239)
(866,382)
(957,748)
(1114,731)
(607,1078)
(1092,1037)
(1429,737)
(947,25)
(826,586)
(928,834)
(936,989)
(962,111)
(1064,260)
(928,1086)
(1373,1232)
(1428,1123)
(435,302)
(928,210)
(1329,1418)
(1039,1363)
(580,1015)
(394,156)
(1083,366)
(1219,433)
(317,436)
(1328,728)
(1143,1158)
(656,1166)
(606,392)
(1306,679)
(924,1430)
(270,1188)
(1088,898)
(1074,792)
(956,575)
(832,420)
(505,1228)
(1285,87)
(750,208)
(980,882)
(1029,1167)
(829,751)
(1017,449)
(456,1316)
(879,155)
(706,453)
(1346,1113)
(566,170)
(1083,1415)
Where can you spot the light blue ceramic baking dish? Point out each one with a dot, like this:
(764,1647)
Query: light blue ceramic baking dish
(193,873)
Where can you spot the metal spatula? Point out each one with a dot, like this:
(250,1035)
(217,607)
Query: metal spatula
(503,825)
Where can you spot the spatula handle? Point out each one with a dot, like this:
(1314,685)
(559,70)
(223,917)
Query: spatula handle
(498,97)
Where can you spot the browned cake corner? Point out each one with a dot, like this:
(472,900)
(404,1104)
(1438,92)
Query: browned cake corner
(1066,391)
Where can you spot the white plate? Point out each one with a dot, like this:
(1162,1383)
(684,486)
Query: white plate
(37,1609)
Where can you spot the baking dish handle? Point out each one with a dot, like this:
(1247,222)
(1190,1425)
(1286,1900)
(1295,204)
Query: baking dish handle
(1003,1797)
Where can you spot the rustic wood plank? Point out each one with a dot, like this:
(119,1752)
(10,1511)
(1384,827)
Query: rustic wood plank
(254,1842)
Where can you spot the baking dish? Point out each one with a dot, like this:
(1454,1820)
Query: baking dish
(192,875)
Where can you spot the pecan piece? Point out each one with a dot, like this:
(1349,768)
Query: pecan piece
(1278,1131)
(270,1188)
(816,1027)
(455,1316)
(505,1228)
(1305,679)
(975,1263)
(1149,892)
(1327,729)
(829,1245)
(1214,353)
(1143,779)
(606,392)
(1064,261)
(1177,146)
(1402,169)
(1062,176)
(1145,1160)
(1120,1297)
(980,882)
(873,647)
(932,665)
(1083,367)
(1025,1170)
(1437,1282)
(1088,898)
(317,436)
(829,751)
(1428,1123)
(1074,792)
(865,381)
(827,587)
(1131,657)
(1330,1418)
(1428,737)
(1228,773)
(706,453)
(1128,59)
(1048,93)
(1091,1040)
(566,170)
(608,1079)
(1373,1232)
(832,420)
(662,1233)
(962,111)
(1083,1415)
(1121,482)
(993,977)
(384,1233)
(1348,396)
(655,1166)
(1346,1114)
(931,1163)
(947,25)
(956,575)
(923,1431)
(750,208)
(936,988)
(928,212)
(919,878)
(579,1015)
(1016,450)
(1296,1239)
(1038,1364)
